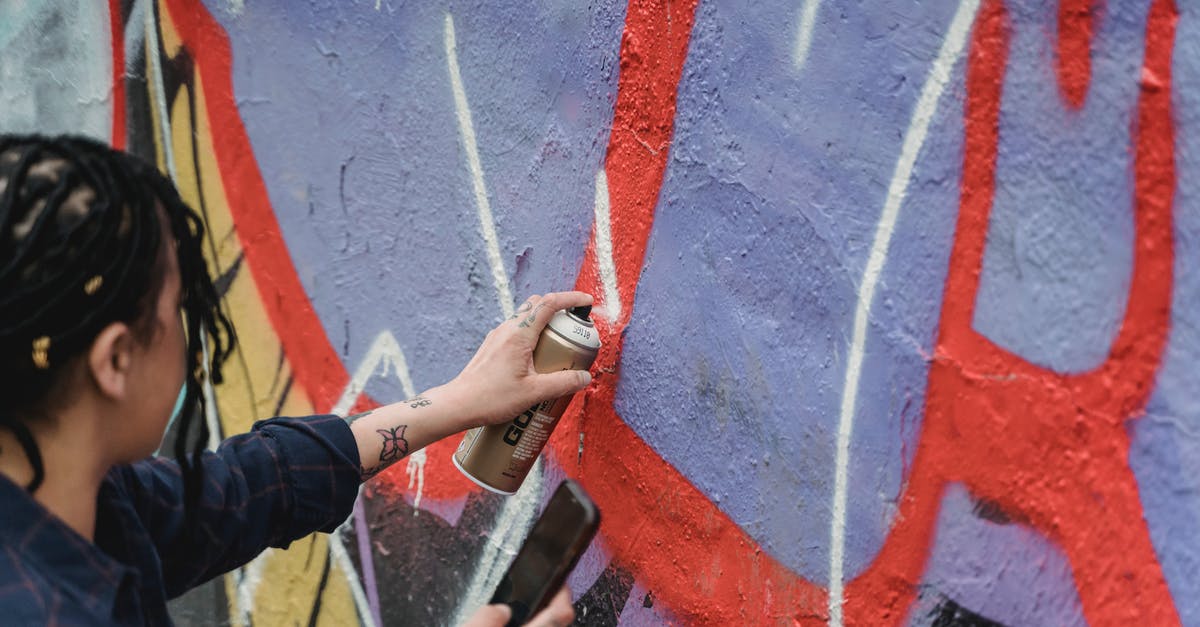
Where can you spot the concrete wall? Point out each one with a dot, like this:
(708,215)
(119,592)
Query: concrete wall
(900,301)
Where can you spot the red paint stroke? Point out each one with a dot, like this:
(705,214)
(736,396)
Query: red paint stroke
(1051,449)
(1074,61)
(315,364)
(116,24)
(697,561)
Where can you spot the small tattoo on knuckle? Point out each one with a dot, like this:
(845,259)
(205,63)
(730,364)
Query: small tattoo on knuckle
(529,320)
(524,308)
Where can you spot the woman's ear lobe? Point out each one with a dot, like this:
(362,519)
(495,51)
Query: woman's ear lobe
(110,358)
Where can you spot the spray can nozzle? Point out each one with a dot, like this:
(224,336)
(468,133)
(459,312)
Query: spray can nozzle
(582,312)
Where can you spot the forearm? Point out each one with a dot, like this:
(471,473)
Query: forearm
(390,433)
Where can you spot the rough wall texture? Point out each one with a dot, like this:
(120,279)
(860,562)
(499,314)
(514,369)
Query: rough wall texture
(900,301)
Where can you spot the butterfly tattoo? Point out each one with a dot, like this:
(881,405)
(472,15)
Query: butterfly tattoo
(394,444)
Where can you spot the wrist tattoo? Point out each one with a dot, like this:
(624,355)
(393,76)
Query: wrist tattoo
(350,419)
(528,321)
(418,401)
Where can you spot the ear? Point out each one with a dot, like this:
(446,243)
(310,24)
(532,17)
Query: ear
(110,360)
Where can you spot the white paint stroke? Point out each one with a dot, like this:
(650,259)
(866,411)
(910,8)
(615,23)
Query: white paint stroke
(385,352)
(517,514)
(914,138)
(804,32)
(252,575)
(416,474)
(466,129)
(604,250)
(515,518)
(249,579)
(383,355)
(337,550)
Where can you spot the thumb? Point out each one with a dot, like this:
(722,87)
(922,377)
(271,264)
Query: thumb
(490,616)
(563,382)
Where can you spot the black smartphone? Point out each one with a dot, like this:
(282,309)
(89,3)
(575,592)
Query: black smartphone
(559,537)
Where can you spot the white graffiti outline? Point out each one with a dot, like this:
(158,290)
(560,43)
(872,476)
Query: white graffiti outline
(466,128)
(517,514)
(914,139)
(804,31)
(607,270)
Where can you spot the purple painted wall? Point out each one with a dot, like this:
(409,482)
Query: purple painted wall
(793,290)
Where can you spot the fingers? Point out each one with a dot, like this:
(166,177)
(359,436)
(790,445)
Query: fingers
(523,311)
(545,308)
(559,613)
(562,383)
(490,616)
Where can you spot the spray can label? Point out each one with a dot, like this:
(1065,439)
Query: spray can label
(498,457)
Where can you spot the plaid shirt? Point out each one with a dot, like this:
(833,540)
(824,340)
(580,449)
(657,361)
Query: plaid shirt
(278,483)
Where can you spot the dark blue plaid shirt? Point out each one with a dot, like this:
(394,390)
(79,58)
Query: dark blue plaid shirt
(278,483)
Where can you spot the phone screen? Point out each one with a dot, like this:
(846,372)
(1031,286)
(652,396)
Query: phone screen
(554,545)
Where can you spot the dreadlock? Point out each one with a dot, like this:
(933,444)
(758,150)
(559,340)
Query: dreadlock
(79,245)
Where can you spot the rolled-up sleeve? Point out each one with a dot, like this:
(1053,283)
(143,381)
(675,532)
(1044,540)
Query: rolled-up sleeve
(285,479)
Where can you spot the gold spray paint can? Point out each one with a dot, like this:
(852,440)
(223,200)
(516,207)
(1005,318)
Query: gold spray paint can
(498,457)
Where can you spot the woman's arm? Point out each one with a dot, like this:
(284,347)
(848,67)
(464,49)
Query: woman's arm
(498,383)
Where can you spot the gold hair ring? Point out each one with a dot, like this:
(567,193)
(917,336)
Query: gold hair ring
(93,285)
(41,348)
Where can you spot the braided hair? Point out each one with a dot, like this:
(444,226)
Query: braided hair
(80,233)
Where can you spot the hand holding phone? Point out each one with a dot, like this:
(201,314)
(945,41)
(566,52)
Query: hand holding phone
(559,613)
(557,540)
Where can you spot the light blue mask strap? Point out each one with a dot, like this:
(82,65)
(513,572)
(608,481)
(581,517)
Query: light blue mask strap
(178,409)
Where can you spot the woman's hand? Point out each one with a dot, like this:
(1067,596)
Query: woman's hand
(558,613)
(499,382)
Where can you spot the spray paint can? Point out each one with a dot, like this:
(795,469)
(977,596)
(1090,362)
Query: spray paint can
(498,457)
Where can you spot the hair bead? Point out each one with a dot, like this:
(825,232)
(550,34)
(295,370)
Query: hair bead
(93,285)
(41,352)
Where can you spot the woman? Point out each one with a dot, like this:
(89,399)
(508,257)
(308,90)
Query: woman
(98,259)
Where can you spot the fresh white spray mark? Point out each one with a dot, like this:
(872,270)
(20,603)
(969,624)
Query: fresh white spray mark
(416,474)
(237,6)
(914,138)
(604,250)
(804,31)
(466,129)
(517,514)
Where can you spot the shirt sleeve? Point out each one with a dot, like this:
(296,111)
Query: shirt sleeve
(285,479)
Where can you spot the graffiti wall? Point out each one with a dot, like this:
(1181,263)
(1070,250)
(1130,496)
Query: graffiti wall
(899,301)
